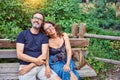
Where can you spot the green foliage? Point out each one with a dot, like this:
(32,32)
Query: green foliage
(111,1)
(15,15)
(63,12)
(106,15)
(12,18)
(8,60)
(101,20)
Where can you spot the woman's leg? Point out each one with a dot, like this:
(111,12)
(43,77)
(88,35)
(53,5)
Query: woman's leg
(41,75)
(56,78)
(72,76)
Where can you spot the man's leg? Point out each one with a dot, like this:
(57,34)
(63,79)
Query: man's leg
(31,75)
(41,74)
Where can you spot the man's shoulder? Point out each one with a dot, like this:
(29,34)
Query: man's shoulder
(43,34)
(44,38)
(24,31)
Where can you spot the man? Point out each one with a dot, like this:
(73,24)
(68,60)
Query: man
(32,50)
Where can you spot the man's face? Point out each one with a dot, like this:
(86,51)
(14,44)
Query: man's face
(37,21)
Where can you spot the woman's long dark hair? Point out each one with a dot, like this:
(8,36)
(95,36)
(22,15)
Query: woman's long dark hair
(57,28)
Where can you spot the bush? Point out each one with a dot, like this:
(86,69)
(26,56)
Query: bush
(12,18)
(62,12)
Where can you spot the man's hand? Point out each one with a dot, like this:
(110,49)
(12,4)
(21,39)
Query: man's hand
(25,69)
(40,60)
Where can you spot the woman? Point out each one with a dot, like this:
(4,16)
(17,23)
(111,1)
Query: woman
(60,53)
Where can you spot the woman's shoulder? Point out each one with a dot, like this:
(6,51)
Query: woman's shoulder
(65,35)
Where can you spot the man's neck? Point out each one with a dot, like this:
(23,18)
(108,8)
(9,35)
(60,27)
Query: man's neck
(34,31)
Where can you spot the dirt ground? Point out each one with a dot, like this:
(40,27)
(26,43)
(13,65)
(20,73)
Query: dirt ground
(114,73)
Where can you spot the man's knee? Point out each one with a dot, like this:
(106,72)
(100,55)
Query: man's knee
(31,75)
(26,77)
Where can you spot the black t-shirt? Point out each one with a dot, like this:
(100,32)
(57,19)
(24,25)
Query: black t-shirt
(32,43)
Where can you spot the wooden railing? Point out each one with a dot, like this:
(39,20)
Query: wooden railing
(81,32)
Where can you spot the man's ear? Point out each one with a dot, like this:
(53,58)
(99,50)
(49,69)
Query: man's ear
(47,34)
(42,24)
(31,20)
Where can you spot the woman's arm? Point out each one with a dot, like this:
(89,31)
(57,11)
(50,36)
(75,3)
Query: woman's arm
(47,60)
(68,48)
(69,52)
(47,67)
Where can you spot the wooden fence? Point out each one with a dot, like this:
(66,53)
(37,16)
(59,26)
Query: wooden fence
(83,34)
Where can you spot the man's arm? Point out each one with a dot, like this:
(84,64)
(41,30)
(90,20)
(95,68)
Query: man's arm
(42,57)
(22,56)
(44,52)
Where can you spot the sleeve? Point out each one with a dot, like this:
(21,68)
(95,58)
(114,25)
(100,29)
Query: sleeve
(20,38)
(45,40)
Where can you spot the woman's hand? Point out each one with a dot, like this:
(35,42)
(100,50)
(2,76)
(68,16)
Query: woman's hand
(25,69)
(48,71)
(66,67)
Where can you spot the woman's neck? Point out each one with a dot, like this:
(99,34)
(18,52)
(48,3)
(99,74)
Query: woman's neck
(54,36)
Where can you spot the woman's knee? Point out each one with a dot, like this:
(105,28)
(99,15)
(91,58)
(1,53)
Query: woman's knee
(73,76)
(56,78)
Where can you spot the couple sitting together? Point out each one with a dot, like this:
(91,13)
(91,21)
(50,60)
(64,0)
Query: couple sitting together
(45,52)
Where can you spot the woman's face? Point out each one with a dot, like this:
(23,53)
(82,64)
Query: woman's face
(49,29)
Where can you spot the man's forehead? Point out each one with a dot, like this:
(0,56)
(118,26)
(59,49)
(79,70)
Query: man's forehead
(38,15)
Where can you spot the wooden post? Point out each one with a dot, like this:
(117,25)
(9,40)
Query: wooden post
(82,30)
(74,30)
(81,42)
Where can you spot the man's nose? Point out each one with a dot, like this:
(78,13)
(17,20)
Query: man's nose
(36,20)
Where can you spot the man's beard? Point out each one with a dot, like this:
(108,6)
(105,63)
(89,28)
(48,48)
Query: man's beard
(36,25)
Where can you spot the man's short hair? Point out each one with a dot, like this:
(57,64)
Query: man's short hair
(39,13)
